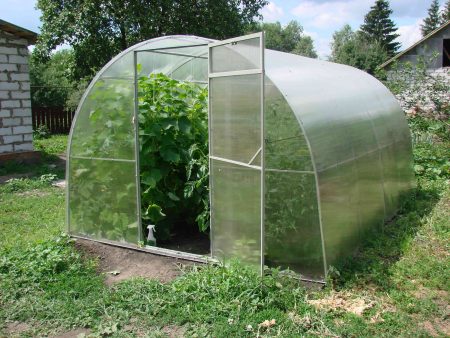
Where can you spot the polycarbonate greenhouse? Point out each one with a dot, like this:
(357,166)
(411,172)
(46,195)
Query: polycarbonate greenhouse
(306,157)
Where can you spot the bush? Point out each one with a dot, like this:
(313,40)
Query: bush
(41,132)
(423,95)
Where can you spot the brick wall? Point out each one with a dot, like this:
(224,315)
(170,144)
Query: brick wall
(15,104)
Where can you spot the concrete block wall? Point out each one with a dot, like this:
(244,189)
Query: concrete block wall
(16,132)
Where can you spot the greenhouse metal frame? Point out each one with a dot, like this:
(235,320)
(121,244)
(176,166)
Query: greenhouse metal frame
(306,157)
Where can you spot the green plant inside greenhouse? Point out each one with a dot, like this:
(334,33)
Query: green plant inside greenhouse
(173,140)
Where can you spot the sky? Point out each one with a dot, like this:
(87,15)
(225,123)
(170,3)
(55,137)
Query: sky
(319,18)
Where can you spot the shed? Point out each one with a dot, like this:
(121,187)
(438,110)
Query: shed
(15,102)
(435,43)
(306,157)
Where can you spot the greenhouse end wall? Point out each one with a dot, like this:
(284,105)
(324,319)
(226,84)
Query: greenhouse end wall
(327,158)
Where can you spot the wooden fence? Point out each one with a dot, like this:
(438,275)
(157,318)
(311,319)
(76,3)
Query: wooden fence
(57,120)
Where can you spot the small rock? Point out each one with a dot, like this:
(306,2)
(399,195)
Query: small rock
(60,184)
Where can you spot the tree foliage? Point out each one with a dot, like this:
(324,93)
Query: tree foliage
(52,80)
(53,83)
(352,48)
(445,15)
(99,29)
(433,20)
(379,27)
(288,39)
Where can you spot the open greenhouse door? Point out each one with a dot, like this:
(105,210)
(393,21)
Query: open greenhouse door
(171,115)
(236,134)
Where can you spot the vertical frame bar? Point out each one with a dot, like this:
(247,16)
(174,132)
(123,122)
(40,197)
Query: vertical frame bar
(263,137)
(140,234)
(211,244)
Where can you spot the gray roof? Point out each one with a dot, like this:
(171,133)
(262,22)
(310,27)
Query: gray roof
(18,31)
(445,25)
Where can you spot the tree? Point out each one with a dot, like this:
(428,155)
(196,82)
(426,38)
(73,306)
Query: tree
(99,29)
(445,15)
(288,39)
(433,20)
(379,27)
(353,49)
(52,81)
(341,38)
(305,47)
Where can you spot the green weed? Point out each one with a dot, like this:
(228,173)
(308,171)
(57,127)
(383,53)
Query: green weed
(52,145)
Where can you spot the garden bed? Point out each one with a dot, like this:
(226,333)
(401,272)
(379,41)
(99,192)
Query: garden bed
(118,264)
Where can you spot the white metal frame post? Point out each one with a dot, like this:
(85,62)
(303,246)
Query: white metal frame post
(263,151)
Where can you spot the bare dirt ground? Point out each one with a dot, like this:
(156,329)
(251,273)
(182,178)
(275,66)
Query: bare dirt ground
(119,263)
(75,333)
(15,329)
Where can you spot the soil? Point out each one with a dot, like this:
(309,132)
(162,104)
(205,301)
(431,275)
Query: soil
(196,243)
(437,328)
(15,329)
(75,333)
(174,331)
(120,263)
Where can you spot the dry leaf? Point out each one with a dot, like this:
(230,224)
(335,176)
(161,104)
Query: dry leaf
(267,323)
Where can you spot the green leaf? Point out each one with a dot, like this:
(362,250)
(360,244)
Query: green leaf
(151,178)
(169,123)
(173,197)
(184,125)
(170,154)
(154,213)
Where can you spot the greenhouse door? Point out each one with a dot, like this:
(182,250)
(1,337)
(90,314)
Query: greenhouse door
(236,96)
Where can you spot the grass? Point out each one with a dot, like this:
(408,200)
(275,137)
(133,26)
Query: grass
(395,286)
(50,149)
(54,145)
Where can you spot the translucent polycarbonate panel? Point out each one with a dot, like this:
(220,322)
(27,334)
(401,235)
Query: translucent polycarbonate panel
(339,211)
(237,55)
(286,146)
(102,199)
(122,66)
(235,135)
(405,176)
(292,228)
(235,117)
(172,41)
(395,145)
(359,144)
(104,123)
(150,62)
(186,50)
(236,212)
(370,193)
(178,67)
(195,69)
(399,180)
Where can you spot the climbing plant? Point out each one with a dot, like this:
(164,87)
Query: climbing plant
(173,134)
